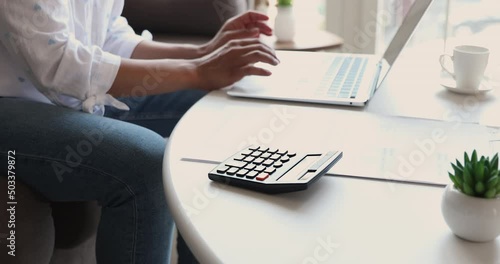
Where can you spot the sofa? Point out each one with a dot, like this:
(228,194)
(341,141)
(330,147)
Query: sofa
(181,21)
(71,227)
(68,228)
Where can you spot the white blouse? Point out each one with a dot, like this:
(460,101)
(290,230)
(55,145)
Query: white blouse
(65,52)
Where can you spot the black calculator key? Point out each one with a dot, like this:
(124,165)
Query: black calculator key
(272,150)
(292,154)
(242,173)
(258,161)
(260,168)
(256,153)
(246,152)
(232,171)
(268,162)
(251,175)
(222,170)
(275,157)
(266,155)
(285,159)
(237,164)
(249,159)
(282,152)
(239,157)
(250,167)
(262,177)
(270,170)
(278,164)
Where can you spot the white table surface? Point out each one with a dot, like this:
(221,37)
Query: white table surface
(362,221)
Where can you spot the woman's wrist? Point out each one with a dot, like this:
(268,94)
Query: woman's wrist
(183,74)
(192,74)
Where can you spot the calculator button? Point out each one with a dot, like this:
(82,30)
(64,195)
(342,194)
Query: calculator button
(275,157)
(232,171)
(258,161)
(242,173)
(263,149)
(252,175)
(260,168)
(246,152)
(282,152)
(239,157)
(256,154)
(270,170)
(262,177)
(254,148)
(278,164)
(237,164)
(250,167)
(249,159)
(292,154)
(285,159)
(266,155)
(268,162)
(272,150)
(222,170)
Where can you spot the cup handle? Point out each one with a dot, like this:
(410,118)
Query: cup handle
(441,61)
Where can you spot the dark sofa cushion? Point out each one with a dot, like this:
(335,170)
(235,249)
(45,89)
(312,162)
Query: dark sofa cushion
(193,17)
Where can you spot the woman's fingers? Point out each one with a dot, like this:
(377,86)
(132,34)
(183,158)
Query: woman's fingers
(244,49)
(244,42)
(249,17)
(251,33)
(263,28)
(254,56)
(246,45)
(252,70)
(256,16)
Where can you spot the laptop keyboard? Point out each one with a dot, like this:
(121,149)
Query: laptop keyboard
(343,77)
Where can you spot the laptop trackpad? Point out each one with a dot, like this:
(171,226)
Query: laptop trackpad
(295,73)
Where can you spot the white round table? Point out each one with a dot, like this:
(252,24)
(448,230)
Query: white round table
(337,220)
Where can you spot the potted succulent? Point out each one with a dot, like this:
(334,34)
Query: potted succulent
(284,24)
(471,205)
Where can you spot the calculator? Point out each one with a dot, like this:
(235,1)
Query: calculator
(272,170)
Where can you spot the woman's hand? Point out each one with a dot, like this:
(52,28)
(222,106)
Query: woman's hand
(233,61)
(247,25)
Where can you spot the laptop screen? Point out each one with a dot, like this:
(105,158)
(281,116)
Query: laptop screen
(406,30)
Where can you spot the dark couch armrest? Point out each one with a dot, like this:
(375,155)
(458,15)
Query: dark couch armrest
(186,17)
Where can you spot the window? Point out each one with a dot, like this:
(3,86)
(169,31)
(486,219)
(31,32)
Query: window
(446,24)
(454,20)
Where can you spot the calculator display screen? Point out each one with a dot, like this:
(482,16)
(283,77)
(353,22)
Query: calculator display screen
(300,169)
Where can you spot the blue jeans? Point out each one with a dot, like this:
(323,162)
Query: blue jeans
(67,155)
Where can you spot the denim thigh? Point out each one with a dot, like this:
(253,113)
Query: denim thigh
(67,155)
(159,113)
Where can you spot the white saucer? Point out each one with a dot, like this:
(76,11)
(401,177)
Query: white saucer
(450,84)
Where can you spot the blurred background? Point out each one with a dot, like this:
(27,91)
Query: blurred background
(367,26)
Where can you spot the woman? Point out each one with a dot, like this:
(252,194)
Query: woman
(63,64)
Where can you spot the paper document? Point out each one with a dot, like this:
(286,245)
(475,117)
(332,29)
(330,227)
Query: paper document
(374,146)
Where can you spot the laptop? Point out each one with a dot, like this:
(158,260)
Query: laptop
(329,78)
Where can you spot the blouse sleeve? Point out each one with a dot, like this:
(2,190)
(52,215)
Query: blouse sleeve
(121,38)
(38,38)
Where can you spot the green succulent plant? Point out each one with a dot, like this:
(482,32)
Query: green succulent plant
(284,2)
(478,177)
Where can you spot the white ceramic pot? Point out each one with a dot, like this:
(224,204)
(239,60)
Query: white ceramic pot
(284,24)
(471,218)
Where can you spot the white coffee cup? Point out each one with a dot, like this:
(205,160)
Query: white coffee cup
(469,64)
